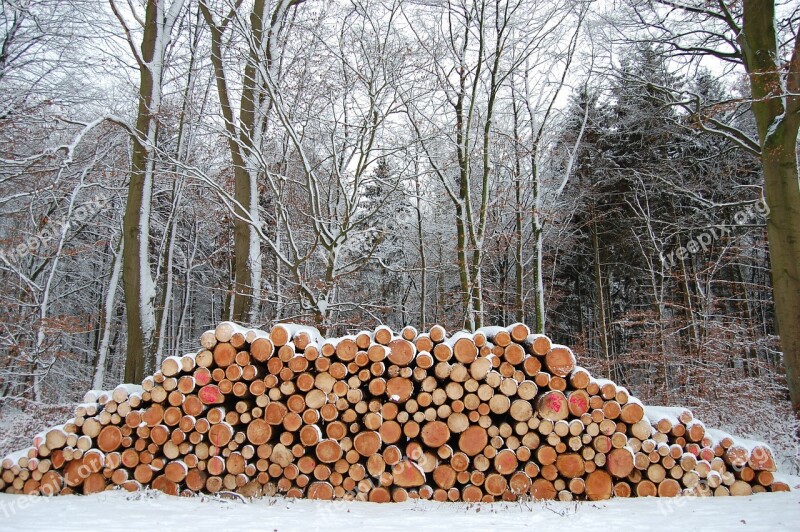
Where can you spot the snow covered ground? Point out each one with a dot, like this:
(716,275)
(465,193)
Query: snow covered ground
(122,511)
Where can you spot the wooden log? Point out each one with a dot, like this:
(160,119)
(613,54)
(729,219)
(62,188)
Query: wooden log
(519,332)
(495,484)
(225,330)
(211,395)
(570,465)
(407,474)
(435,434)
(473,440)
(195,480)
(443,352)
(437,333)
(779,487)
(109,439)
(553,406)
(320,491)
(444,476)
(51,484)
(259,432)
(598,485)
(164,485)
(543,489)
(262,349)
(521,410)
(514,354)
(622,489)
(632,412)
(399,389)
(224,355)
(620,462)
(208,339)
(560,361)
(220,434)
(646,488)
(94,483)
(532,366)
(464,350)
(55,438)
(328,451)
(765,478)
(176,471)
(578,402)
(281,334)
(383,335)
(741,488)
(669,488)
(367,443)
(208,421)
(401,352)
(499,404)
(346,349)
(656,473)
(539,344)
(761,459)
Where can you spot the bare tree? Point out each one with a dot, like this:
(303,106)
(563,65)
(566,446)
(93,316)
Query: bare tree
(245,132)
(472,52)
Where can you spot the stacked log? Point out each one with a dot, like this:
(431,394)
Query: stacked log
(495,414)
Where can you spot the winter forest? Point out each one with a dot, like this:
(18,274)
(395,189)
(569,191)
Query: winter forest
(620,174)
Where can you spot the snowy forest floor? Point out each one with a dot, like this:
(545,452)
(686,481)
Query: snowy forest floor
(118,510)
(21,420)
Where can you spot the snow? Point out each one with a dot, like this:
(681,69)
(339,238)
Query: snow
(136,388)
(175,358)
(602,382)
(533,336)
(750,445)
(13,458)
(491,331)
(293,329)
(97,396)
(717,435)
(632,399)
(458,336)
(117,510)
(384,328)
(657,413)
(253,334)
(235,328)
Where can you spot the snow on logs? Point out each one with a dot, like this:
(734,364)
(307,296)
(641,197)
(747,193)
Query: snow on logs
(497,414)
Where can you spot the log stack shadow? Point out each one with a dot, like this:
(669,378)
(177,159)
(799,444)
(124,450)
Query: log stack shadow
(495,414)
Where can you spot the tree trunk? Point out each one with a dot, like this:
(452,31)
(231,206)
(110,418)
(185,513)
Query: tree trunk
(107,319)
(538,276)
(163,309)
(241,143)
(421,247)
(462,212)
(519,271)
(247,244)
(776,107)
(538,240)
(783,229)
(601,308)
(137,279)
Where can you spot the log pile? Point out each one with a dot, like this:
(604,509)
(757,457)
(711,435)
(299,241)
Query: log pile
(498,414)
